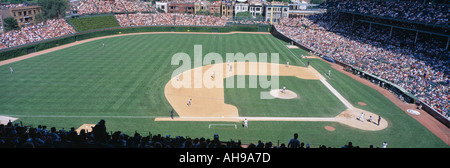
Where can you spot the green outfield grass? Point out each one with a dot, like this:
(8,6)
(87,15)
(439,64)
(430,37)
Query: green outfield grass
(124,81)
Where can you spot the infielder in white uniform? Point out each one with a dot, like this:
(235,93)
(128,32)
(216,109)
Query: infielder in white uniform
(361,117)
(245,123)
(189,102)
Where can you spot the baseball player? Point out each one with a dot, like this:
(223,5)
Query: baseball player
(361,117)
(171,113)
(379,120)
(329,72)
(370,119)
(212,75)
(287,64)
(11,69)
(284,89)
(189,102)
(245,123)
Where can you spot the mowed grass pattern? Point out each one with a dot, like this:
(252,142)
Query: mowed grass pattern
(124,81)
(126,77)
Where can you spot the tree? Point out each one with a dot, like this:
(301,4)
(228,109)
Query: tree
(10,24)
(244,14)
(217,15)
(53,8)
(317,1)
(14,1)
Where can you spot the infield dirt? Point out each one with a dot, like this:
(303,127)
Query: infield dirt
(208,104)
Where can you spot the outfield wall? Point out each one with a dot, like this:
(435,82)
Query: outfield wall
(399,91)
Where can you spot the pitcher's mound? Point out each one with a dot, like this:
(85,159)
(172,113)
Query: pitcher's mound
(330,128)
(288,94)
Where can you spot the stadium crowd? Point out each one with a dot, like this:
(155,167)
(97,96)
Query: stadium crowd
(41,31)
(417,11)
(179,19)
(117,6)
(15,135)
(421,68)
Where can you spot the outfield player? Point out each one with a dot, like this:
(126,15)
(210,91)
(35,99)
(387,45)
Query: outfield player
(329,72)
(11,69)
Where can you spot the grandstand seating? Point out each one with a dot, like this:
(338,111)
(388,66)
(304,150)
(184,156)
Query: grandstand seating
(419,65)
(379,53)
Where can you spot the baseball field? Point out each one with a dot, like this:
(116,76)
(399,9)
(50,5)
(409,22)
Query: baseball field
(128,83)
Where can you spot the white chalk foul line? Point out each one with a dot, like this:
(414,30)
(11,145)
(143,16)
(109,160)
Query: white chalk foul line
(334,91)
(333,119)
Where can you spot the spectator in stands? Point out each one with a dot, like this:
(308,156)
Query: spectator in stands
(294,142)
(42,31)
(431,13)
(99,132)
(180,19)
